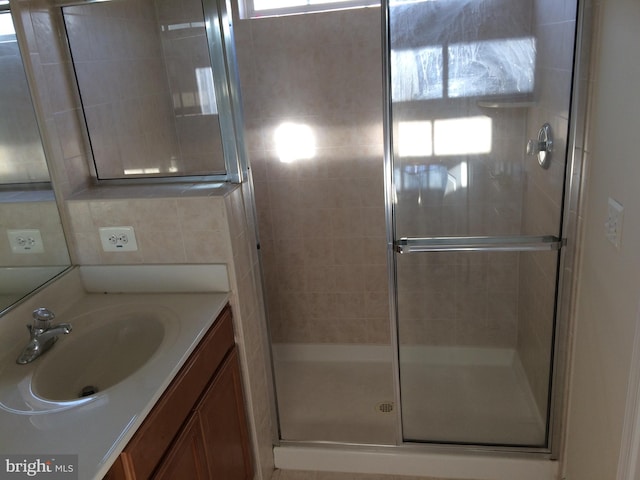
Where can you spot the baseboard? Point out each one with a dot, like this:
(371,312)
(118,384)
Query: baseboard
(396,461)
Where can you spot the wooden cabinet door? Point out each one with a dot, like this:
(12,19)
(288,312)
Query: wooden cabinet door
(186,457)
(224,427)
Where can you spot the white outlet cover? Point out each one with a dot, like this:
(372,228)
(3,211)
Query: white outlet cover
(118,239)
(25,241)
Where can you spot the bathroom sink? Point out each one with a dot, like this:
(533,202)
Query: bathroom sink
(99,354)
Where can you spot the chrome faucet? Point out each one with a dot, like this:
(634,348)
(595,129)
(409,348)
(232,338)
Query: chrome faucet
(43,335)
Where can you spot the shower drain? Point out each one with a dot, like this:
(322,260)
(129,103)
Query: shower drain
(384,407)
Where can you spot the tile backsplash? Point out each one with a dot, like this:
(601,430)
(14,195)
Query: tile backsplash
(167,229)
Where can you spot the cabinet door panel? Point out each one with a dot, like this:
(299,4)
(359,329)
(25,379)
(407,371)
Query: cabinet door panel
(224,426)
(151,441)
(186,458)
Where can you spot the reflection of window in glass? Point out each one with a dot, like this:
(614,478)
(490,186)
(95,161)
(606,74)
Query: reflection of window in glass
(393,3)
(451,136)
(262,8)
(435,178)
(415,139)
(147,88)
(462,136)
(416,74)
(494,67)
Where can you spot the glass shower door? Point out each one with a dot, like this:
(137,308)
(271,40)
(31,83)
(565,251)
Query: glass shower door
(477,219)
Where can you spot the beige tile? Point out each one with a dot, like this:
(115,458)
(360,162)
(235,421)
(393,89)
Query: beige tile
(158,247)
(121,258)
(201,213)
(316,227)
(87,248)
(156,214)
(206,246)
(287,224)
(112,213)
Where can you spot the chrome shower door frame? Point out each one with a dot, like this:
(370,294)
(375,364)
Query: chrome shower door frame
(566,244)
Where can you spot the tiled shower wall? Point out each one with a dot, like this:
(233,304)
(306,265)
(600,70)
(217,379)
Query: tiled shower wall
(321,219)
(554,27)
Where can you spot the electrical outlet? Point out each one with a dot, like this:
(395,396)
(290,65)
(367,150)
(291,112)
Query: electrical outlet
(613,225)
(118,239)
(25,241)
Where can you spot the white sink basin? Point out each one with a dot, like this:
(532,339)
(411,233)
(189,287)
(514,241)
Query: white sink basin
(90,360)
(129,344)
(108,346)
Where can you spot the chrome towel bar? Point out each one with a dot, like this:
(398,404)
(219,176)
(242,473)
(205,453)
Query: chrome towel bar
(516,243)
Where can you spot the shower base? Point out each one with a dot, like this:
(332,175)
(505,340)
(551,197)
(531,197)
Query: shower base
(326,395)
(344,394)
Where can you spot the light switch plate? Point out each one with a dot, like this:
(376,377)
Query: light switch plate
(25,241)
(118,239)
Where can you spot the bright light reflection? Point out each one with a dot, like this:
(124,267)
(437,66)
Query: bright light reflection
(259,5)
(458,178)
(182,26)
(463,136)
(294,141)
(141,171)
(464,175)
(453,136)
(206,91)
(393,3)
(414,139)
(6,24)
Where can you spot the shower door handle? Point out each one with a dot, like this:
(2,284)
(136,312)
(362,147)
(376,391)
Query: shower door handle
(516,243)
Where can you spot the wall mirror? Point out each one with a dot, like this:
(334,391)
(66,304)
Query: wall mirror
(32,243)
(151,85)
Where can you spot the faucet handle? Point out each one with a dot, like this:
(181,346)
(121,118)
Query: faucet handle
(42,318)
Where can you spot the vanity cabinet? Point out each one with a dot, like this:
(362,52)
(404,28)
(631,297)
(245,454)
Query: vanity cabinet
(197,429)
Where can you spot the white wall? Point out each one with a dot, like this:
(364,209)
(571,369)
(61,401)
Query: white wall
(609,281)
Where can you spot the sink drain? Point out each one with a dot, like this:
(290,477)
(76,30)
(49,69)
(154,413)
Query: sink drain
(88,391)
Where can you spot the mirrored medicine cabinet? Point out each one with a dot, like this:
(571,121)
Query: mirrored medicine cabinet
(154,86)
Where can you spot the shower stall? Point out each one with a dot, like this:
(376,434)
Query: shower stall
(478,110)
(481,143)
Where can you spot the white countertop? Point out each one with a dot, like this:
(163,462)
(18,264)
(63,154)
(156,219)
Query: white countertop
(98,428)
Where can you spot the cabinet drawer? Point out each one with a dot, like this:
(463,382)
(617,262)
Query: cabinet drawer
(146,448)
